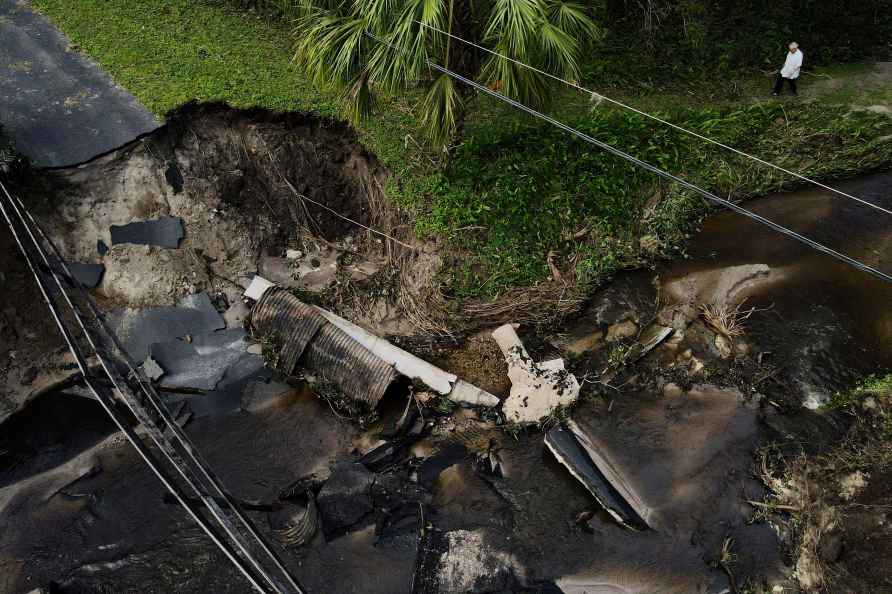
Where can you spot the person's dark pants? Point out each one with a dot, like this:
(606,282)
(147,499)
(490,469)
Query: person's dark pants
(779,84)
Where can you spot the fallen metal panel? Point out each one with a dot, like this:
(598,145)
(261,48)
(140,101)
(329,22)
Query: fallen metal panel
(138,329)
(573,448)
(164,232)
(201,363)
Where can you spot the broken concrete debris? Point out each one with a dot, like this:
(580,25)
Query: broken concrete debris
(470,395)
(537,389)
(345,498)
(258,287)
(164,232)
(590,465)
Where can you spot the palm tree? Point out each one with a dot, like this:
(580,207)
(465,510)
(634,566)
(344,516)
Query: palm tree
(337,47)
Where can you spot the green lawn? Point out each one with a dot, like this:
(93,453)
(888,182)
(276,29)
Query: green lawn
(515,188)
(167,53)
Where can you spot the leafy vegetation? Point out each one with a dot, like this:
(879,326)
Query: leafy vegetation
(517,189)
(874,385)
(513,192)
(359,48)
(652,42)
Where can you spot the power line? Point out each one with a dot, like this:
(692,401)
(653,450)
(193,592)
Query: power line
(660,120)
(686,184)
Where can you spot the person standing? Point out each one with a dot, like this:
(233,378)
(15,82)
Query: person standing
(790,71)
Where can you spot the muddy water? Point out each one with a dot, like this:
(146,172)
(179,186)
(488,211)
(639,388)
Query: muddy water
(803,283)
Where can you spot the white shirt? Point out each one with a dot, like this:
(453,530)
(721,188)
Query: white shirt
(792,65)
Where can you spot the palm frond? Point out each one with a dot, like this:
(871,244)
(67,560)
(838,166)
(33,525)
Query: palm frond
(512,23)
(515,81)
(330,47)
(442,108)
(559,51)
(412,45)
(572,19)
(359,100)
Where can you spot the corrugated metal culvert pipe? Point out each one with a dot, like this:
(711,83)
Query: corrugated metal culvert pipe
(300,337)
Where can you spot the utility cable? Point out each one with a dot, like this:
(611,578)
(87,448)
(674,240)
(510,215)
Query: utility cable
(686,184)
(597,95)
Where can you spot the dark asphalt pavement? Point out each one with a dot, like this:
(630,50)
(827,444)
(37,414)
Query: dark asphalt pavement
(58,106)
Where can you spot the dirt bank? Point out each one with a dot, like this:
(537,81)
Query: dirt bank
(257,192)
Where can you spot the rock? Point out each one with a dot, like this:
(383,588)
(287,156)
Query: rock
(152,369)
(723,346)
(345,498)
(696,366)
(620,330)
(536,389)
(851,485)
(672,390)
(236,314)
(462,562)
(255,349)
(294,254)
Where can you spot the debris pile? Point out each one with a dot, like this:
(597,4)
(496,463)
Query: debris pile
(361,364)
(537,389)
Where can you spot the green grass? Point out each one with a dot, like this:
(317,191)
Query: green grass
(514,189)
(874,385)
(168,53)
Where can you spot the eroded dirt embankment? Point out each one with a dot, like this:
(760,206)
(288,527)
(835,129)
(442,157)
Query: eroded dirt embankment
(251,188)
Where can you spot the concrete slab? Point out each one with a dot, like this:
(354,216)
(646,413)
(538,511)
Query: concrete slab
(58,106)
